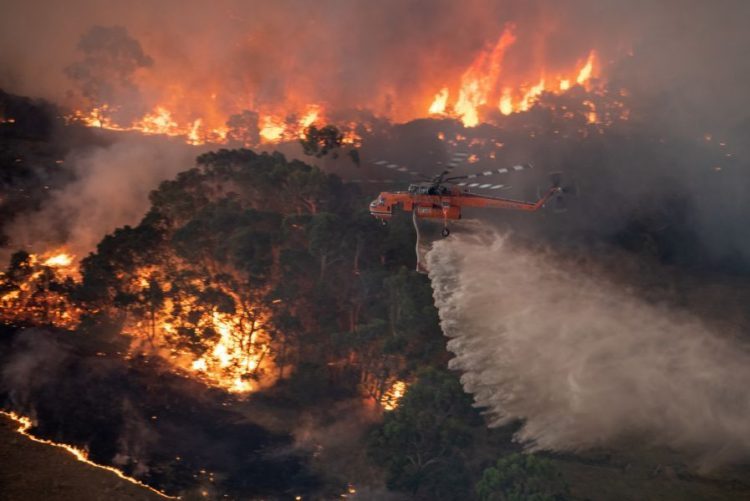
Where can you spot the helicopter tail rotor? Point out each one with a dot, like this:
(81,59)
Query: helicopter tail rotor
(564,191)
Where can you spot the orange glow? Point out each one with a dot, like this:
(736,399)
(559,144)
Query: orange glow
(31,297)
(200,113)
(310,117)
(438,104)
(59,260)
(506,103)
(272,130)
(480,79)
(237,356)
(525,99)
(25,424)
(193,136)
(591,115)
(158,122)
(231,351)
(531,95)
(393,395)
(585,73)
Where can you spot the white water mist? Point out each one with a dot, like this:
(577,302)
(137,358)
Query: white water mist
(582,362)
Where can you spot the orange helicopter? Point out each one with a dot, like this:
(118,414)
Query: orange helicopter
(443,197)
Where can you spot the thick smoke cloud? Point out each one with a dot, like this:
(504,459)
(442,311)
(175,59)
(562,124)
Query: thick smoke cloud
(105,71)
(39,360)
(583,361)
(111,190)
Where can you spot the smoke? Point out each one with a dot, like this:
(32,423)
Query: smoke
(38,359)
(136,414)
(110,190)
(390,56)
(110,57)
(583,362)
(136,439)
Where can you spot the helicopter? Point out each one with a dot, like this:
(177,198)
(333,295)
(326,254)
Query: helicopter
(443,197)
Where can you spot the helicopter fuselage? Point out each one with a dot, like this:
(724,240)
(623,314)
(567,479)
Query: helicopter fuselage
(441,202)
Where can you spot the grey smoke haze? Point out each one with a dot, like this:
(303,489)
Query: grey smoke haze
(108,59)
(582,361)
(111,190)
(39,359)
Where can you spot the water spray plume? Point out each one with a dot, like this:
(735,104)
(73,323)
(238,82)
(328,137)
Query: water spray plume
(582,363)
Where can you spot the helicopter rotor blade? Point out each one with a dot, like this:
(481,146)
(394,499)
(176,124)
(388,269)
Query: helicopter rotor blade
(399,168)
(484,186)
(493,172)
(454,161)
(373,181)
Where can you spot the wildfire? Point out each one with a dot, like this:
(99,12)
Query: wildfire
(208,113)
(160,121)
(25,424)
(390,399)
(59,260)
(234,352)
(483,83)
(32,289)
(273,128)
(438,105)
(229,365)
(228,349)
(480,80)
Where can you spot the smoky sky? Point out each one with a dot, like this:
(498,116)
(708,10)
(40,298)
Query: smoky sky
(110,190)
(383,54)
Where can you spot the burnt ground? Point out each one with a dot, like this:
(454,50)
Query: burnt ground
(31,471)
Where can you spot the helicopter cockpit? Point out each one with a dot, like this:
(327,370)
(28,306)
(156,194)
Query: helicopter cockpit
(427,189)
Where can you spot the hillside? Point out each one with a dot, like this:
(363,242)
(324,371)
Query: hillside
(30,470)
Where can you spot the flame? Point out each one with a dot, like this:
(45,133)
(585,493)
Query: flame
(158,122)
(310,117)
(59,260)
(30,296)
(227,365)
(390,399)
(591,116)
(480,79)
(25,424)
(193,136)
(483,81)
(236,347)
(585,73)
(202,113)
(438,104)
(272,130)
(531,95)
(506,102)
(237,358)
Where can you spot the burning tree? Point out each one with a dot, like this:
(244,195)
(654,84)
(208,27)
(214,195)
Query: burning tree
(36,290)
(207,281)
